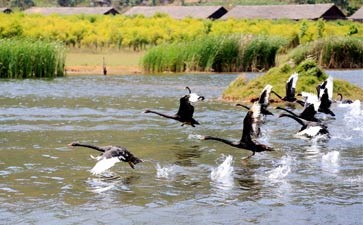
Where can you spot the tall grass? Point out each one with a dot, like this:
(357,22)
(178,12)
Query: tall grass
(214,53)
(31,59)
(332,52)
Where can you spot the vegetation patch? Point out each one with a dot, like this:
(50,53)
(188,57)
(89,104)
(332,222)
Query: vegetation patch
(215,54)
(138,32)
(31,59)
(332,52)
(310,75)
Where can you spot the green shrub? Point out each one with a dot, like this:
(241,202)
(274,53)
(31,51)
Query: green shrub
(31,59)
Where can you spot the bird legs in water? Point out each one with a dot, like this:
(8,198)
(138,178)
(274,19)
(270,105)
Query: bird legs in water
(249,156)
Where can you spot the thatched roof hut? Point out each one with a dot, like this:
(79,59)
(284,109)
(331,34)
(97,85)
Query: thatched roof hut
(72,10)
(179,12)
(358,15)
(293,12)
(5,10)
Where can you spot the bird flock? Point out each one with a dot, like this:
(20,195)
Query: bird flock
(311,126)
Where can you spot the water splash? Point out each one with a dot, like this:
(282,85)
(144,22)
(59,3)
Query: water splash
(163,172)
(282,170)
(330,162)
(195,137)
(223,174)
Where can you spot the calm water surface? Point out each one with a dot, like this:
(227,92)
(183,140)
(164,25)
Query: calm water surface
(183,180)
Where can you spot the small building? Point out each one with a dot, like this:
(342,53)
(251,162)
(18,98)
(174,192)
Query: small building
(357,16)
(179,12)
(293,12)
(101,3)
(6,10)
(72,10)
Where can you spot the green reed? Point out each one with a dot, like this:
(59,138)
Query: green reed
(20,59)
(214,53)
(332,52)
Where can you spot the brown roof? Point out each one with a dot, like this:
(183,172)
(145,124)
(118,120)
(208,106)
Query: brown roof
(71,10)
(358,14)
(177,12)
(295,12)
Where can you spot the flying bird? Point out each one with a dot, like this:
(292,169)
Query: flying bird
(309,129)
(311,107)
(290,90)
(325,95)
(246,142)
(109,157)
(186,109)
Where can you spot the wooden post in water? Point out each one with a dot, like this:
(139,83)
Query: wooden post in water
(104,67)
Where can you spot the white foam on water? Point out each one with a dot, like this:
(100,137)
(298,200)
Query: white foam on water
(223,174)
(282,170)
(103,189)
(164,172)
(195,137)
(330,162)
(354,112)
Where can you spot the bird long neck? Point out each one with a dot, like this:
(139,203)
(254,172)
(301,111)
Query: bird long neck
(163,115)
(244,106)
(341,96)
(286,110)
(90,146)
(222,140)
(297,119)
(277,94)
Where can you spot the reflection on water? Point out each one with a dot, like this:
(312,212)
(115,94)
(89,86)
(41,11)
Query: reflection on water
(43,181)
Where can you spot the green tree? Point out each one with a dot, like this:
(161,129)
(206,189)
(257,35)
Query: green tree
(22,4)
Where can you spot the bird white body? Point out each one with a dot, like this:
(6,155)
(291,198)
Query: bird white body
(311,131)
(256,116)
(193,97)
(267,89)
(295,77)
(329,86)
(311,98)
(103,165)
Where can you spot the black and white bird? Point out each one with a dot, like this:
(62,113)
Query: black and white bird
(311,107)
(263,100)
(186,109)
(343,101)
(290,90)
(309,129)
(260,106)
(109,157)
(325,95)
(246,142)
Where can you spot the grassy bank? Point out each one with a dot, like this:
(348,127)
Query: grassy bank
(31,59)
(310,75)
(215,54)
(90,62)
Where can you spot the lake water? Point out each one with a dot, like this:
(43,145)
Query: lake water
(183,180)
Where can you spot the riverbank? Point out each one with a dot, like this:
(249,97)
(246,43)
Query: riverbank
(89,62)
(98,70)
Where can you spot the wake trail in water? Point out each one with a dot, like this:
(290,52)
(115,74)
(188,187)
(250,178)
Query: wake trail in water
(164,172)
(330,162)
(222,175)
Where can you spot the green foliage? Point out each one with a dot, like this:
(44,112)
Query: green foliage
(310,75)
(333,52)
(139,32)
(214,53)
(30,59)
